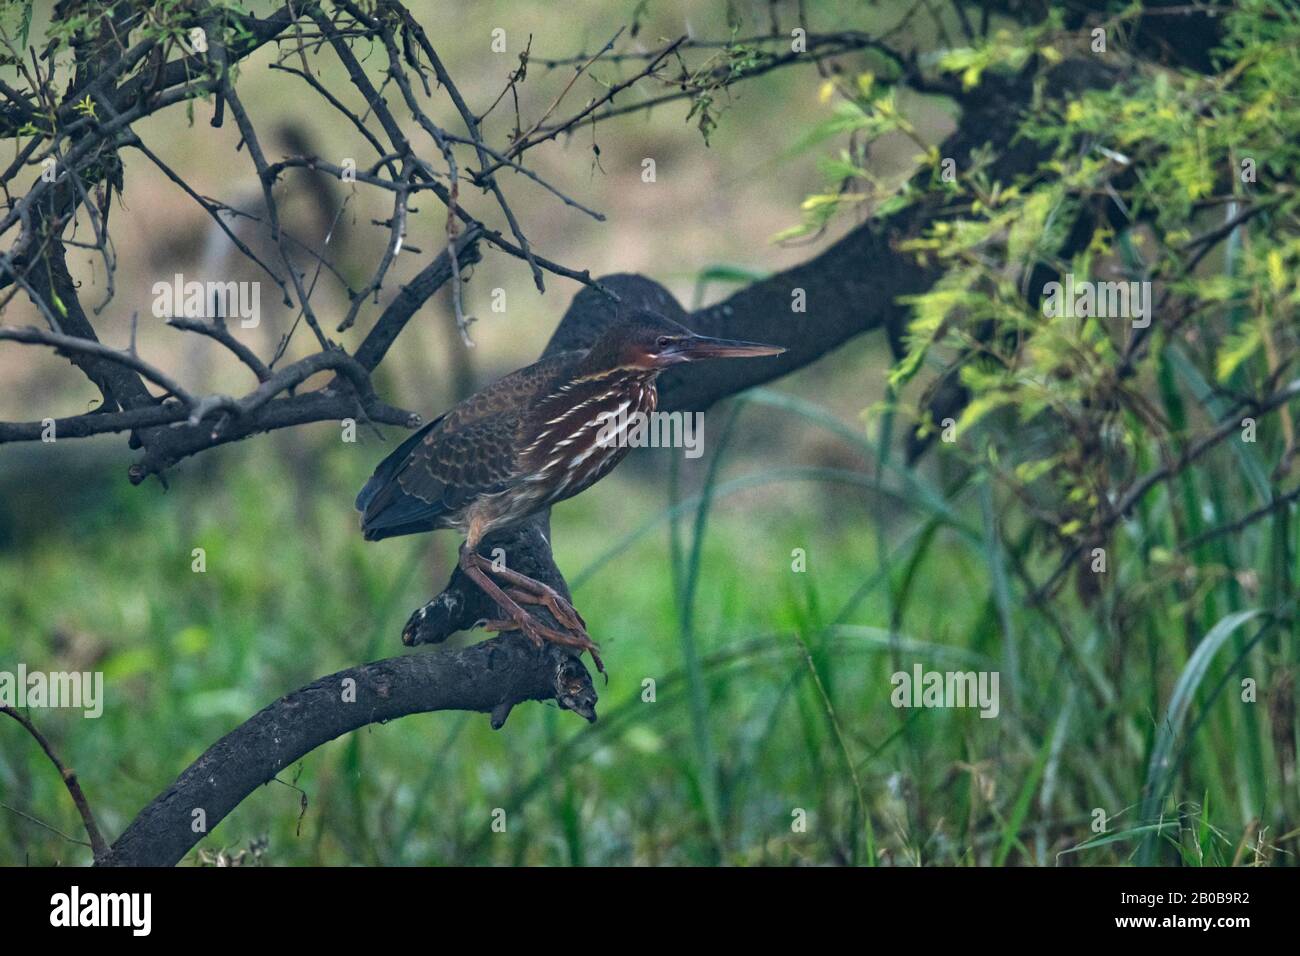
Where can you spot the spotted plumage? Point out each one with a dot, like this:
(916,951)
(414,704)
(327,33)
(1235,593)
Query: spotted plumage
(538,436)
(524,443)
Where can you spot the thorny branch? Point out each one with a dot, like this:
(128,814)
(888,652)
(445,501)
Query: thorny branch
(72,143)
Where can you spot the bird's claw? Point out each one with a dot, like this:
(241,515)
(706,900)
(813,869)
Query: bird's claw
(520,590)
(539,634)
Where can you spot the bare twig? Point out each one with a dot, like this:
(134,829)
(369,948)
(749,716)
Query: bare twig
(216,329)
(97,845)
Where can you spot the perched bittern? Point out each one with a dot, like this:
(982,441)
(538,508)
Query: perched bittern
(535,437)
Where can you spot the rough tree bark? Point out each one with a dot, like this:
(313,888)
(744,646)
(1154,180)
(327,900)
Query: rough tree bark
(490,676)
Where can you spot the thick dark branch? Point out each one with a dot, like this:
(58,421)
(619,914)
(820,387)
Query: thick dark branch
(120,385)
(95,423)
(462,603)
(491,677)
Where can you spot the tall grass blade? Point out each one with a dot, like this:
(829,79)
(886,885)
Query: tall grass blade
(1160,771)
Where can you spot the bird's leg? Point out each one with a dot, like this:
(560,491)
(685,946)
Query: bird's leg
(532,591)
(579,639)
(518,617)
(473,563)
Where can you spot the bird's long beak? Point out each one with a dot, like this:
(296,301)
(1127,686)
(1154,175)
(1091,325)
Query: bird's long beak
(699,347)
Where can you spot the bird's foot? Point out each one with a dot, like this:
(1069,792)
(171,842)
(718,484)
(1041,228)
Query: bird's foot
(564,612)
(528,590)
(525,590)
(539,633)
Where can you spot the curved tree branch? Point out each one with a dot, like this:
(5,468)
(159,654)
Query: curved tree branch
(490,677)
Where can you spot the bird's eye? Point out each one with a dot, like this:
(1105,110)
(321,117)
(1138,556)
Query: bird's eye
(664,341)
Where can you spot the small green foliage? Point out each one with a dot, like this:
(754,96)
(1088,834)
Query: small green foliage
(1115,417)
(866,110)
(1170,149)
(712,77)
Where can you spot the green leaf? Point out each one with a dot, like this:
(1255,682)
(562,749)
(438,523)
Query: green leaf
(1162,766)
(1237,349)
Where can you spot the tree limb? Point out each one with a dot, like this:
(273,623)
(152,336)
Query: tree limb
(490,677)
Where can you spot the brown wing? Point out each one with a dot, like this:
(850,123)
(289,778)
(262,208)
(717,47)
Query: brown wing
(471,451)
(441,474)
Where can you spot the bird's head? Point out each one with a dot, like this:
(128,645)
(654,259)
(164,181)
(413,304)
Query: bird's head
(647,340)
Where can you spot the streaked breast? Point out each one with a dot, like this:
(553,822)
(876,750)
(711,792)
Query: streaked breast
(567,454)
